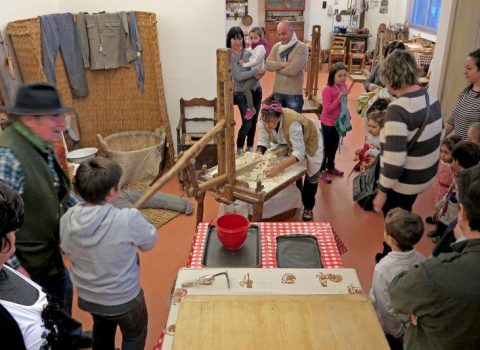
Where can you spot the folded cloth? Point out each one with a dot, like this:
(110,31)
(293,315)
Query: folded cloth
(158,201)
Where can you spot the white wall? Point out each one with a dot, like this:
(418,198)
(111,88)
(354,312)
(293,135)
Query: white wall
(397,12)
(254,10)
(20,9)
(315,15)
(189,31)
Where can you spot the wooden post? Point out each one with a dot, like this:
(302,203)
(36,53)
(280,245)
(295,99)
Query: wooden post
(192,152)
(226,144)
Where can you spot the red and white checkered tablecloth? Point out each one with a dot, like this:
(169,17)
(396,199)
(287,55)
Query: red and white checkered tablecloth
(423,59)
(331,246)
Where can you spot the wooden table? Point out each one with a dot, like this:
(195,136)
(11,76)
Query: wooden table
(312,308)
(257,193)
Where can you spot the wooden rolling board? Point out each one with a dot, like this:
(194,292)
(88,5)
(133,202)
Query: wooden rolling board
(333,322)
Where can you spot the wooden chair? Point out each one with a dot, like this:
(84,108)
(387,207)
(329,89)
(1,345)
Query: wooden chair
(311,103)
(356,52)
(338,50)
(186,139)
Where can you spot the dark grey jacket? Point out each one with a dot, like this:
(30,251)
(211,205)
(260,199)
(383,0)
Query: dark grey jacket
(444,294)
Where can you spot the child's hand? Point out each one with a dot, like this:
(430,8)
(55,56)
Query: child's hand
(241,62)
(284,64)
(261,73)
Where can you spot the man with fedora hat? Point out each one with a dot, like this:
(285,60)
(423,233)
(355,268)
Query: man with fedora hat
(28,166)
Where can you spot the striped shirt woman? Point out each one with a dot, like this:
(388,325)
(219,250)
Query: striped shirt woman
(466,112)
(410,173)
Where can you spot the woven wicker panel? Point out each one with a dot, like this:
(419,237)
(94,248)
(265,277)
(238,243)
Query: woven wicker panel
(26,42)
(114,103)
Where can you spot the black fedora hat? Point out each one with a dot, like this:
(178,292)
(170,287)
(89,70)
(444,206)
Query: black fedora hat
(38,99)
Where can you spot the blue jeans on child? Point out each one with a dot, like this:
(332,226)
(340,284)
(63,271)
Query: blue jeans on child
(294,102)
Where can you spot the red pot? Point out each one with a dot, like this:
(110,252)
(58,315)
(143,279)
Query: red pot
(232,230)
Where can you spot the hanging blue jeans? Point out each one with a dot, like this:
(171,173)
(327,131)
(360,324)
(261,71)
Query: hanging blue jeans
(59,32)
(137,44)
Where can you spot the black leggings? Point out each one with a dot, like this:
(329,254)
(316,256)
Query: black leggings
(331,139)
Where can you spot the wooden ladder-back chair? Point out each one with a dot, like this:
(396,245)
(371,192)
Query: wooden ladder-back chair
(356,53)
(186,139)
(312,104)
(379,44)
(338,50)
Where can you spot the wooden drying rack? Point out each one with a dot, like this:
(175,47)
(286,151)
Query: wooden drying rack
(225,184)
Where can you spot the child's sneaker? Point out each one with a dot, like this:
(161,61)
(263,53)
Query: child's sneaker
(325,177)
(335,172)
(250,113)
(307,215)
(250,149)
(240,152)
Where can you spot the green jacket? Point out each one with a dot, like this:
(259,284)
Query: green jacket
(444,294)
(37,241)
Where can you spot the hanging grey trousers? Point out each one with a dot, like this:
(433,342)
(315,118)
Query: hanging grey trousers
(59,32)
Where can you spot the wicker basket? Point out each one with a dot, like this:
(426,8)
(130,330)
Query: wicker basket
(139,153)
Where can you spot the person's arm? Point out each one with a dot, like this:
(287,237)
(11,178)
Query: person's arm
(298,146)
(372,77)
(240,74)
(394,148)
(298,62)
(456,116)
(449,126)
(263,138)
(330,102)
(411,292)
(383,306)
(271,64)
(144,234)
(257,57)
(11,176)
(284,164)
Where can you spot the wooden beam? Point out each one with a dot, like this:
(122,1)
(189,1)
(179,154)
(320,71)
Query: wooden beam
(191,152)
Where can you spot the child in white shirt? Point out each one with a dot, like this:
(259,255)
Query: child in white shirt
(259,48)
(403,230)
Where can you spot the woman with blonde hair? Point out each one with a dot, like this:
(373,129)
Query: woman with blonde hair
(407,166)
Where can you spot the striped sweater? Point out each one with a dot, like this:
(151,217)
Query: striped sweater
(411,173)
(466,113)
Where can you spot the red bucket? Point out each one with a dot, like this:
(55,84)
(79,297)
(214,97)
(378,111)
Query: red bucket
(232,230)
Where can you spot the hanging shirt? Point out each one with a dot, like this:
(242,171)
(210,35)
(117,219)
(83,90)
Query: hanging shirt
(105,40)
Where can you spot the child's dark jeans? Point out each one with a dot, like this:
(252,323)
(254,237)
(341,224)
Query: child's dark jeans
(133,326)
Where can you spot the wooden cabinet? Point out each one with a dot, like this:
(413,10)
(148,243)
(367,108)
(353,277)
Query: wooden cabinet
(285,5)
(271,31)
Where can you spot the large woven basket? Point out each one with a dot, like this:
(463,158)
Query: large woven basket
(139,153)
